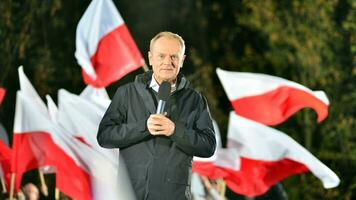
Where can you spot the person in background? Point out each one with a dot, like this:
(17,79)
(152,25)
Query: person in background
(31,192)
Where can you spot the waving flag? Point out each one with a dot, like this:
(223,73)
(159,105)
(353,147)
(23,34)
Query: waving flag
(36,143)
(269,99)
(267,156)
(81,115)
(104,47)
(82,171)
(107,182)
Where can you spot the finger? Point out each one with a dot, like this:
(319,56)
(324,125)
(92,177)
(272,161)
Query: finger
(155,123)
(154,120)
(155,127)
(161,132)
(157,116)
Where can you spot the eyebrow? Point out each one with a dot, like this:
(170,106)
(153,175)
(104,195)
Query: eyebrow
(175,54)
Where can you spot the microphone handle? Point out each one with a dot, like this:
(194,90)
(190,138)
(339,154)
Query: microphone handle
(160,107)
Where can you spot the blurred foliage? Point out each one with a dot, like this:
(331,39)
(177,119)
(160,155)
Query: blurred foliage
(310,42)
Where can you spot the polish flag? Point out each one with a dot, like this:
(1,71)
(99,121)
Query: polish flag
(269,99)
(266,157)
(2,94)
(108,181)
(214,166)
(104,47)
(37,143)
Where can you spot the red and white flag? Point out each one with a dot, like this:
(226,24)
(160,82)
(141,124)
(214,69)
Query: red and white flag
(269,99)
(102,165)
(37,143)
(82,172)
(104,47)
(266,156)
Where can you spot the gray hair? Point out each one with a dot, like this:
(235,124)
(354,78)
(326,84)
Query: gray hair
(168,35)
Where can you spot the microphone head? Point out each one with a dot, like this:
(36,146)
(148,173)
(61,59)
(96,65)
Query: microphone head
(164,91)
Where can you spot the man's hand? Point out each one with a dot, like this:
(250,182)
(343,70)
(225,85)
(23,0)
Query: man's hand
(159,124)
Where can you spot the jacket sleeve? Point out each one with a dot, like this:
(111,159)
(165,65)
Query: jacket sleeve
(200,139)
(114,131)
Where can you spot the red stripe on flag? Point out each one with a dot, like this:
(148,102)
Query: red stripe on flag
(254,177)
(209,169)
(276,106)
(35,149)
(116,56)
(2,94)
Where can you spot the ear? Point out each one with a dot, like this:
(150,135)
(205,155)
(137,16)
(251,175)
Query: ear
(183,58)
(149,57)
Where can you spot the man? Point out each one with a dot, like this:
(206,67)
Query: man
(158,148)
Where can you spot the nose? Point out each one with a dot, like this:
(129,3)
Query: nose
(168,60)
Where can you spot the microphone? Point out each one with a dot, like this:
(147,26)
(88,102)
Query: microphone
(163,94)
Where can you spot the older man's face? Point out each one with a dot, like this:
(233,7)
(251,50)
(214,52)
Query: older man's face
(166,58)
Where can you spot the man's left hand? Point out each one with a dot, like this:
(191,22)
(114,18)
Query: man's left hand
(159,124)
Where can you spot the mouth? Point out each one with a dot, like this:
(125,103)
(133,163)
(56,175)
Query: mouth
(167,69)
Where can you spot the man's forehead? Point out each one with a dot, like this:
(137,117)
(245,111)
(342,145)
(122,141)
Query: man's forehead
(166,44)
(166,52)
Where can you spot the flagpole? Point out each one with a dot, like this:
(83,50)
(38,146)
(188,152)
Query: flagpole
(44,187)
(12,183)
(222,187)
(3,185)
(145,67)
(56,194)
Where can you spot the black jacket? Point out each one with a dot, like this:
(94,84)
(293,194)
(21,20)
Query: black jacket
(159,167)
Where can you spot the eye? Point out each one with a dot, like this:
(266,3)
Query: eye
(174,57)
(160,56)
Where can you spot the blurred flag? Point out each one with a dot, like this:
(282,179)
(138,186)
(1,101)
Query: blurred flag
(98,96)
(36,143)
(2,94)
(81,115)
(269,99)
(266,157)
(214,166)
(107,182)
(104,47)
(82,171)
